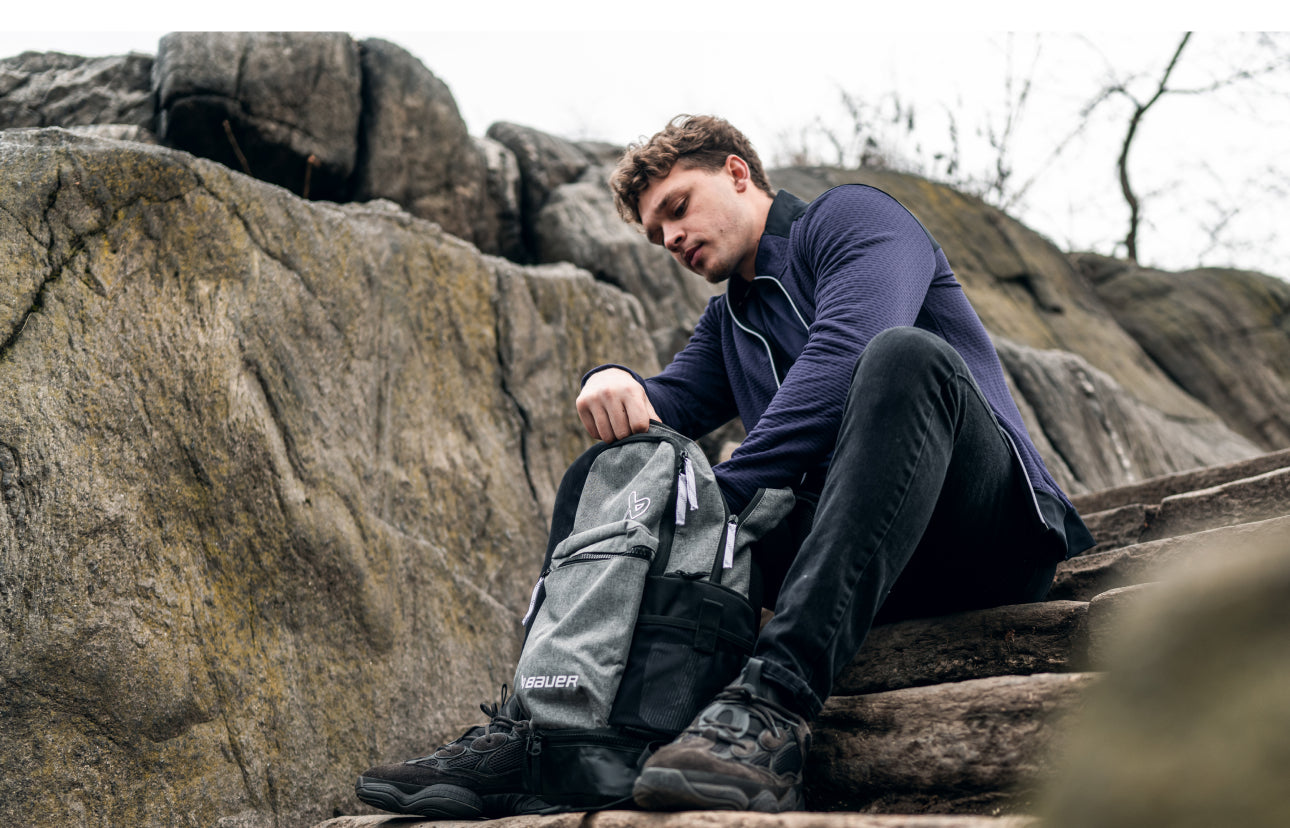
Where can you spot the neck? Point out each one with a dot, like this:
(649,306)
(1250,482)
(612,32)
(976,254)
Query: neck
(761,211)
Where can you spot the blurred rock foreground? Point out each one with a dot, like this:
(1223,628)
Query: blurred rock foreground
(276,470)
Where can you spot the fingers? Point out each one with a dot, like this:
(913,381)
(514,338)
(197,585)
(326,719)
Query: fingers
(613,405)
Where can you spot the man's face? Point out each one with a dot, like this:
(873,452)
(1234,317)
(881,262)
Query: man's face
(704,219)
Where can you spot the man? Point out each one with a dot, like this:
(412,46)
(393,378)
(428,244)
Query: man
(865,378)
(868,385)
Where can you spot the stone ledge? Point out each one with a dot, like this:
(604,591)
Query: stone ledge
(976,746)
(1084,577)
(1158,488)
(1002,641)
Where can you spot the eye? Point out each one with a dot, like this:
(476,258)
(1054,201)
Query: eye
(679,209)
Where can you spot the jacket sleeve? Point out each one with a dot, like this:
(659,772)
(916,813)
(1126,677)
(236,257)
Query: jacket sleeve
(692,394)
(871,263)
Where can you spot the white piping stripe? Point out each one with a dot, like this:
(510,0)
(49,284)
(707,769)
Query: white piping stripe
(769,355)
(791,304)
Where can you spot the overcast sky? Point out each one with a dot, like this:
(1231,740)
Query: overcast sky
(1196,158)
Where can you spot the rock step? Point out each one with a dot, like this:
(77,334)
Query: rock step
(1158,488)
(1081,578)
(1001,641)
(694,819)
(977,746)
(1019,640)
(1245,500)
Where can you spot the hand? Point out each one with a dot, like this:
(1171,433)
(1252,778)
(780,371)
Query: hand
(613,405)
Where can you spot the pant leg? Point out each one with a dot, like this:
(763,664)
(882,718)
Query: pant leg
(922,482)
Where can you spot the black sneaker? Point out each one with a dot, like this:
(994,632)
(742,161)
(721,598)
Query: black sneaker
(476,775)
(744,752)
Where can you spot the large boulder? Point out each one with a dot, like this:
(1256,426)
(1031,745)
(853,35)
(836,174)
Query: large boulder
(1094,434)
(578,223)
(502,199)
(415,149)
(545,162)
(276,480)
(52,89)
(282,106)
(1222,335)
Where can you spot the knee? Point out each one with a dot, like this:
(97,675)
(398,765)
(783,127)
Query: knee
(901,353)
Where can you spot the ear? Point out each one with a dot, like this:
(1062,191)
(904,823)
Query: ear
(737,169)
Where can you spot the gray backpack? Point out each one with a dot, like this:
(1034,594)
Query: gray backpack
(641,613)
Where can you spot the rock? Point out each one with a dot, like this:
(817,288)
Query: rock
(501,219)
(546,346)
(1241,501)
(1188,728)
(1105,619)
(545,163)
(51,89)
(1001,641)
(1086,576)
(117,132)
(579,224)
(1158,488)
(1103,433)
(415,150)
(266,519)
(287,98)
(1122,526)
(969,747)
(1222,335)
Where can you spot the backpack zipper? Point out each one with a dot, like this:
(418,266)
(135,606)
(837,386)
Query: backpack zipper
(687,498)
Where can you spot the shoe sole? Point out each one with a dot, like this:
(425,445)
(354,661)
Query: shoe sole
(441,801)
(668,789)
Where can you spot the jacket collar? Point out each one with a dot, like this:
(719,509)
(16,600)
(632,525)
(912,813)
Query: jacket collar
(772,249)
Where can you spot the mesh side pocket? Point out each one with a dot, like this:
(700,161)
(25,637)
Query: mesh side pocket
(691,640)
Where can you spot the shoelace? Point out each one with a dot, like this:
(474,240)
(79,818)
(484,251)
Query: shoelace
(761,709)
(497,723)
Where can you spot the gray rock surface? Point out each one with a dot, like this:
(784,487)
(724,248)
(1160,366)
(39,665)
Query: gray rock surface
(291,99)
(1086,576)
(1015,640)
(578,223)
(1158,488)
(545,162)
(502,197)
(51,89)
(968,747)
(414,148)
(1104,434)
(271,476)
(1222,335)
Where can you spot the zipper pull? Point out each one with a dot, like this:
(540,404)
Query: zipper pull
(687,499)
(731,528)
(691,495)
(538,589)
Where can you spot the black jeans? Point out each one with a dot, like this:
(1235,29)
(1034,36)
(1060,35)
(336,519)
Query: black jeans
(924,511)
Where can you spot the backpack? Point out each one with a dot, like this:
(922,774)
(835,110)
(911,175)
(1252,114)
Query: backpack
(640,615)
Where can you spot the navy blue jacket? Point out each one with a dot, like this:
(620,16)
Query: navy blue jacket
(831,275)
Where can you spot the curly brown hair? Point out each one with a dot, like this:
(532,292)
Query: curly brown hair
(696,141)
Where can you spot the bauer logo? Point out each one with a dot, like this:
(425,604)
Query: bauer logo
(540,682)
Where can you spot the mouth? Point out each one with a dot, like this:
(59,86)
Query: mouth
(691,255)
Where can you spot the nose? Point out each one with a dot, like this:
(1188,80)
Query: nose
(673,236)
